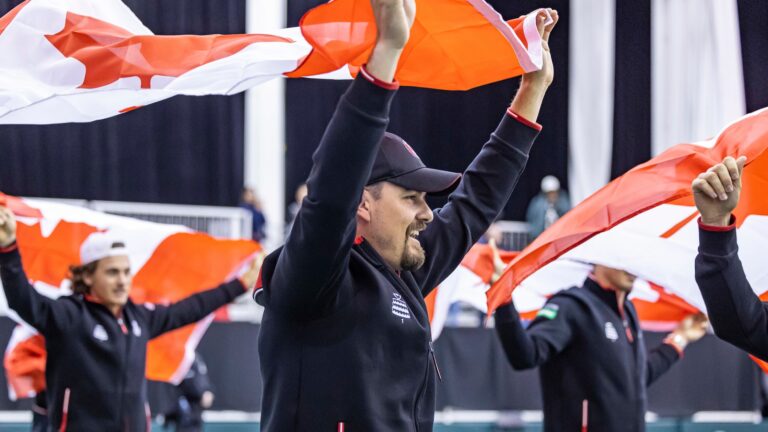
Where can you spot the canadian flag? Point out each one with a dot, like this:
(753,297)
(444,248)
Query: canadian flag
(85,60)
(657,308)
(645,221)
(169,262)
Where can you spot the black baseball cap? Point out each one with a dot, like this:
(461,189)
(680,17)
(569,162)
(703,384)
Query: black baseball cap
(397,163)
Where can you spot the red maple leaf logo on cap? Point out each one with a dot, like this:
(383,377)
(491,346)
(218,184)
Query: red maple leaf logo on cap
(110,52)
(410,150)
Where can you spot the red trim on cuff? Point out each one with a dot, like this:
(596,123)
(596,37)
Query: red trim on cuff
(373,80)
(713,228)
(680,351)
(523,120)
(10,248)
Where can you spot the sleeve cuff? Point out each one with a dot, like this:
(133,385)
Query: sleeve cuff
(516,132)
(369,98)
(10,255)
(678,349)
(372,79)
(731,226)
(524,120)
(234,289)
(10,248)
(242,284)
(715,240)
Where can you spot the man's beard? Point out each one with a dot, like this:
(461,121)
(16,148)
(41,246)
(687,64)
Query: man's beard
(412,260)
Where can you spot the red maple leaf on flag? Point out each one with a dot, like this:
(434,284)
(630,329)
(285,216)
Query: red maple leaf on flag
(110,52)
(47,259)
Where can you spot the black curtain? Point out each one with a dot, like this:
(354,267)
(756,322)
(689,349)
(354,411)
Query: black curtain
(186,150)
(632,91)
(447,129)
(753,26)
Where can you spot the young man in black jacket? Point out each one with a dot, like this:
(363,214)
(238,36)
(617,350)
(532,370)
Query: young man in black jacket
(345,341)
(96,339)
(593,363)
(737,314)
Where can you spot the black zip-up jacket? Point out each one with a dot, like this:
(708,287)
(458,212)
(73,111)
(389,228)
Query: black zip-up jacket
(735,311)
(95,367)
(592,359)
(344,339)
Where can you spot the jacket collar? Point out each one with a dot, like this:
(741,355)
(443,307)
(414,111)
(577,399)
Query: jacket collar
(372,256)
(606,295)
(95,300)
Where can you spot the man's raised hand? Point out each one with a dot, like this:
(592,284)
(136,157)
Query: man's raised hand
(716,191)
(394,19)
(7,227)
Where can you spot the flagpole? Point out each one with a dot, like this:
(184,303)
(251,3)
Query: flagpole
(265,127)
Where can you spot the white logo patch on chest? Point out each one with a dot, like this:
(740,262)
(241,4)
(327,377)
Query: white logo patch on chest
(610,332)
(399,308)
(135,328)
(100,333)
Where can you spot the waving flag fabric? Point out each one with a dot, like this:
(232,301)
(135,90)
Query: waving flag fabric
(85,60)
(657,308)
(645,221)
(169,262)
(454,45)
(24,363)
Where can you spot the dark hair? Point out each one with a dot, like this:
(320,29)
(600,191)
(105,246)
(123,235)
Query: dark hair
(375,189)
(77,276)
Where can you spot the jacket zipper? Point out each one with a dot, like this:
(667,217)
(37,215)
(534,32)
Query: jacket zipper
(431,352)
(121,391)
(434,361)
(149,416)
(398,281)
(419,395)
(584,415)
(65,410)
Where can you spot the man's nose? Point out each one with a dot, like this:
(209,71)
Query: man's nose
(425,215)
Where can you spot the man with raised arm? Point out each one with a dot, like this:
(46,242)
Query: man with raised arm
(591,354)
(345,339)
(736,312)
(96,339)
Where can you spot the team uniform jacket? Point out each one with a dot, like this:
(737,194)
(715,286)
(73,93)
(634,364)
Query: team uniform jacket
(592,359)
(344,339)
(96,362)
(735,311)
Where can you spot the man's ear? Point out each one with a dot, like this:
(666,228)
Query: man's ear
(364,209)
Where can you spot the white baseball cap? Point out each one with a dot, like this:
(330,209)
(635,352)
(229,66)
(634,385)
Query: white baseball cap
(550,183)
(100,245)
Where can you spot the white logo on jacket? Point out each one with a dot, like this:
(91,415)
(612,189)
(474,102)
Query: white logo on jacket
(99,333)
(136,328)
(610,332)
(399,308)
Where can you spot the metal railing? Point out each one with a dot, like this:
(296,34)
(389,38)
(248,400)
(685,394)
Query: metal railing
(514,235)
(222,222)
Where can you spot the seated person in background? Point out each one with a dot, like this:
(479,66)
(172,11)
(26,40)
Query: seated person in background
(546,207)
(251,203)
